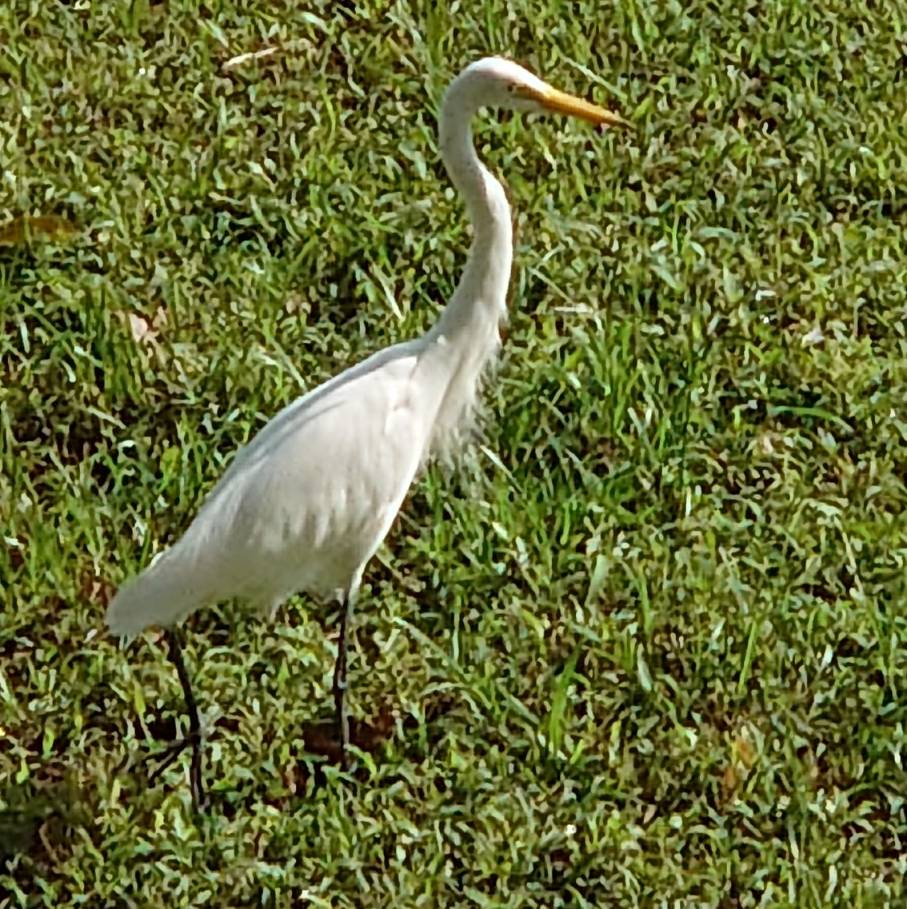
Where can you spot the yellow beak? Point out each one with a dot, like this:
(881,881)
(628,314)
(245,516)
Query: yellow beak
(562,103)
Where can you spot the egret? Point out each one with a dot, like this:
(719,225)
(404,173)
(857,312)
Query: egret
(304,505)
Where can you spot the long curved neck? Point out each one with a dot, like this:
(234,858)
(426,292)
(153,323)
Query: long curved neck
(481,296)
(466,338)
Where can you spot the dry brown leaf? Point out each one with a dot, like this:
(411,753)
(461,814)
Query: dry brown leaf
(729,781)
(24,228)
(744,752)
(143,331)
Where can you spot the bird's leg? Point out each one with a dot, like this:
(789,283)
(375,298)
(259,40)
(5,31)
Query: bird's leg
(193,738)
(343,724)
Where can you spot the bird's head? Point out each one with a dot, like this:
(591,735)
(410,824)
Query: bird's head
(496,82)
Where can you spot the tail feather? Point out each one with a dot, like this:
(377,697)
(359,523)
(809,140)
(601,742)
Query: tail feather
(165,592)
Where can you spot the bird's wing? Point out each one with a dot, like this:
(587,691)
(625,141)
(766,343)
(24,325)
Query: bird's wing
(296,414)
(305,504)
(308,501)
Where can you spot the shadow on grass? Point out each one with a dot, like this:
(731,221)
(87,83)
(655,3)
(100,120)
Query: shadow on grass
(38,824)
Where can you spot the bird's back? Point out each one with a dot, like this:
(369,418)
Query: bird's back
(304,505)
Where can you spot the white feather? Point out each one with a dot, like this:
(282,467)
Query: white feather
(305,505)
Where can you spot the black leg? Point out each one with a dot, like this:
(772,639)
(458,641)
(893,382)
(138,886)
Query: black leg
(343,723)
(193,738)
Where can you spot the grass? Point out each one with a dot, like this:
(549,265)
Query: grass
(647,646)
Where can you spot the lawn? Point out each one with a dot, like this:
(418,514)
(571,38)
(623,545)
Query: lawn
(645,646)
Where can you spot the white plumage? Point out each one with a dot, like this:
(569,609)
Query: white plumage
(285,517)
(304,506)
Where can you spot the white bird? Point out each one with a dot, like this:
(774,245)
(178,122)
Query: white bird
(306,503)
